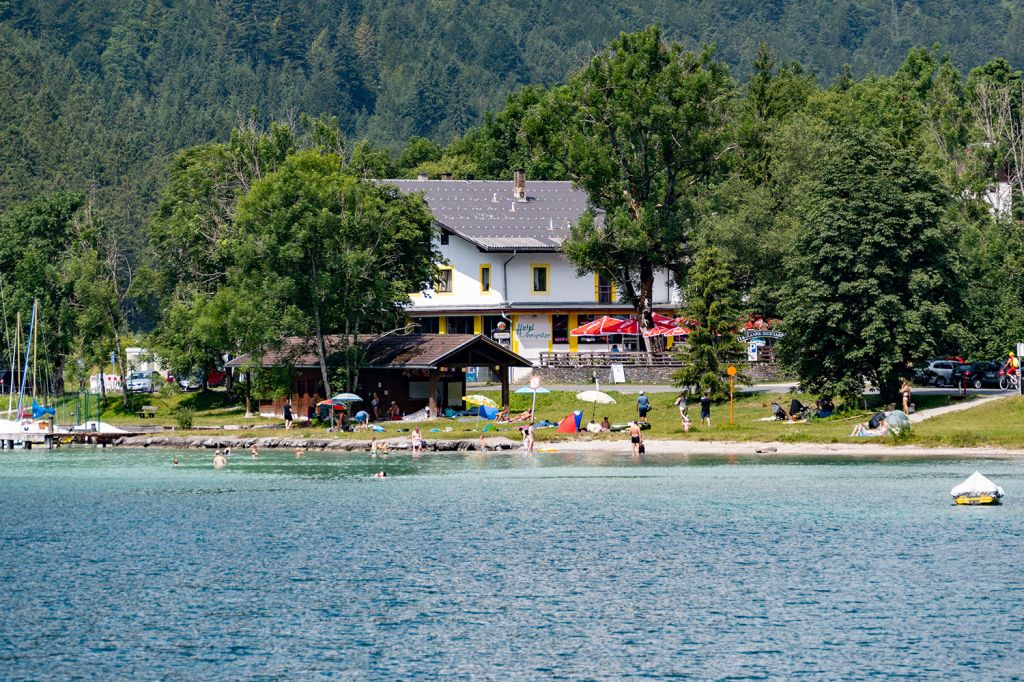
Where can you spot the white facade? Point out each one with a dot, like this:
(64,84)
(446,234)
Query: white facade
(531,314)
(501,242)
(999,197)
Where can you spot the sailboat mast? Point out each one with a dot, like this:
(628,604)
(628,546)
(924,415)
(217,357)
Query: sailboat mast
(35,348)
(15,374)
(28,348)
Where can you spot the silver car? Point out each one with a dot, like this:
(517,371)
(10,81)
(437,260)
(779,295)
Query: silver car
(140,382)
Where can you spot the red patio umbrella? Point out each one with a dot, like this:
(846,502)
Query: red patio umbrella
(602,326)
(663,320)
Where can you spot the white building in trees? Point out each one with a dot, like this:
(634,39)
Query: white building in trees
(503,245)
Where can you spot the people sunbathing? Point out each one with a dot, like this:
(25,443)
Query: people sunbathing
(866,430)
(504,418)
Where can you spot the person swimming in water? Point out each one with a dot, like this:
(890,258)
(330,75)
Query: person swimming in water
(175,462)
(219,462)
(381,474)
(255,452)
(299,453)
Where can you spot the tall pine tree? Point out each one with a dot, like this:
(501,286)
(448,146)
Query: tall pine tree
(712,346)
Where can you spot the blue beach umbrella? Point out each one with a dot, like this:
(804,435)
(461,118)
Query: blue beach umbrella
(534,392)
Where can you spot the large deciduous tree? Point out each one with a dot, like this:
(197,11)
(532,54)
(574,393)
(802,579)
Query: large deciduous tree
(641,128)
(874,272)
(34,237)
(339,253)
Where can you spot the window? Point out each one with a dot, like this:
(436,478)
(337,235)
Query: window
(560,329)
(443,283)
(444,239)
(427,325)
(485,278)
(582,320)
(540,278)
(605,289)
(460,325)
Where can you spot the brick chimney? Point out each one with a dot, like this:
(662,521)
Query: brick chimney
(519,191)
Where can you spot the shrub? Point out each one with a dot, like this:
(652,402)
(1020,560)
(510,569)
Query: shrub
(168,390)
(184,417)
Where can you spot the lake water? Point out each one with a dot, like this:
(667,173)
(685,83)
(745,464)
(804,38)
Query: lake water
(113,564)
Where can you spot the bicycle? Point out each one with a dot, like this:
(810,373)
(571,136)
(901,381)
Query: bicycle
(1010,381)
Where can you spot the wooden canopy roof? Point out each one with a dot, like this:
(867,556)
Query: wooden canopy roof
(412,351)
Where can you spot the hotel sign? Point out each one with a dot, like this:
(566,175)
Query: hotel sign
(751,334)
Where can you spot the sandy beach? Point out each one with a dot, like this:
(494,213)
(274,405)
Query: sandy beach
(692,447)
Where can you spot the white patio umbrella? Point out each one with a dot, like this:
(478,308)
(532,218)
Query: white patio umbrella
(343,398)
(595,397)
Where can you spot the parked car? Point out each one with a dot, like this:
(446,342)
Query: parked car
(938,373)
(140,382)
(194,382)
(191,382)
(977,374)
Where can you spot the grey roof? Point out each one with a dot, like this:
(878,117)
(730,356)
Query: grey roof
(485,213)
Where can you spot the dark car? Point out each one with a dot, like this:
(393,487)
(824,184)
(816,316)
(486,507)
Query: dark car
(977,374)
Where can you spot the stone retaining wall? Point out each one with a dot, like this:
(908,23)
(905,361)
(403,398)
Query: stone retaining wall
(759,372)
(242,445)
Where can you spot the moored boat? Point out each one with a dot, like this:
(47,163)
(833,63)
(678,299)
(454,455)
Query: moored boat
(977,490)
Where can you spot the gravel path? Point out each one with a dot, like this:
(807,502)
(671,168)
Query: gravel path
(959,407)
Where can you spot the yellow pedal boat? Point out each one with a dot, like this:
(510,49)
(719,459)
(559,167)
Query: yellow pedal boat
(977,490)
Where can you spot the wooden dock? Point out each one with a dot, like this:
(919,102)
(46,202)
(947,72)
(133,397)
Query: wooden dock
(49,441)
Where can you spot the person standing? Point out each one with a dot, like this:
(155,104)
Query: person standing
(417,441)
(528,438)
(681,404)
(635,438)
(643,406)
(288,415)
(705,410)
(375,406)
(905,392)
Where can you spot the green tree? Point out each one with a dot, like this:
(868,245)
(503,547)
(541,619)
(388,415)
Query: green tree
(641,129)
(874,274)
(338,254)
(712,346)
(100,279)
(34,238)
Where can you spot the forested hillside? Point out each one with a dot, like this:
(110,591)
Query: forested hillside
(154,157)
(100,92)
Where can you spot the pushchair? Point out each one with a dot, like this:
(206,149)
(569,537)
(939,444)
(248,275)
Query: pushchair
(797,410)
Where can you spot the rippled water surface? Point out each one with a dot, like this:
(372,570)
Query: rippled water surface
(114,564)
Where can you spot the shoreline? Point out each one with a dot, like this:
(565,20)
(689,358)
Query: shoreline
(500,443)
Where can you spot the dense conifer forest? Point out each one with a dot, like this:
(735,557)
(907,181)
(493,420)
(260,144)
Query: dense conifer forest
(134,137)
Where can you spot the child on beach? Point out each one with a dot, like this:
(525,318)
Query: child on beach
(417,441)
(686,423)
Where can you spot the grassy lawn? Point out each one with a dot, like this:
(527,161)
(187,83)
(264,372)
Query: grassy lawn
(210,408)
(1000,423)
